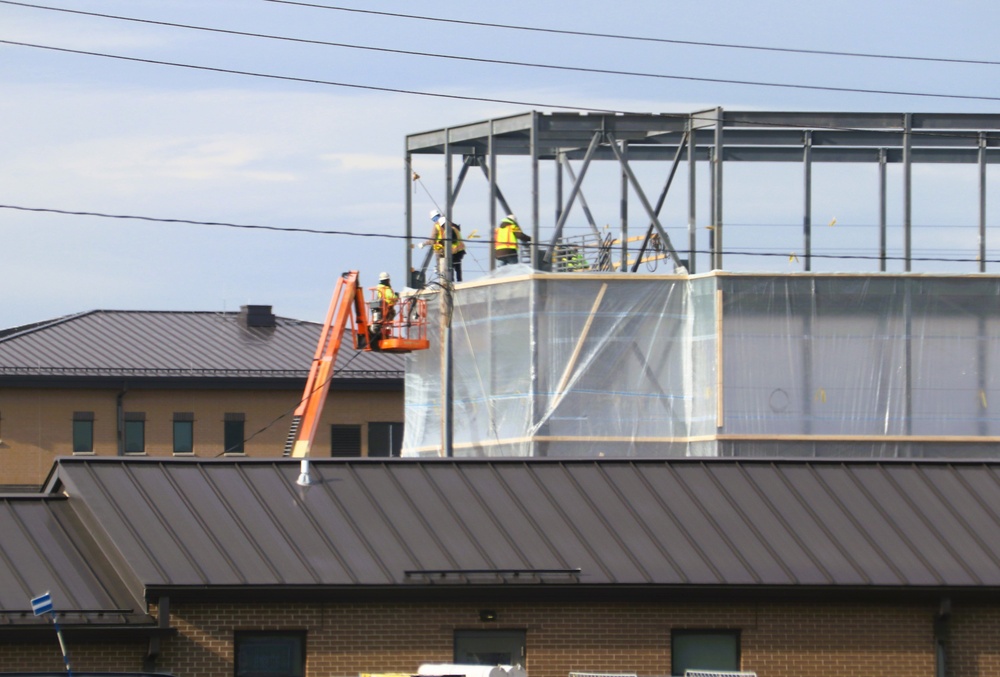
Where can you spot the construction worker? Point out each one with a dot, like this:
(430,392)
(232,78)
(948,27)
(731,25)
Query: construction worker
(505,242)
(383,308)
(438,239)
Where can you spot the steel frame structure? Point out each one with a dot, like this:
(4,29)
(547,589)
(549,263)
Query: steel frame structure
(714,136)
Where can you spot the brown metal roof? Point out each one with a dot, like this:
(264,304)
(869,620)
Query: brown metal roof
(45,548)
(663,522)
(177,344)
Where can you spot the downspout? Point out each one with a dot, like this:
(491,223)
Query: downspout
(163,623)
(120,417)
(942,634)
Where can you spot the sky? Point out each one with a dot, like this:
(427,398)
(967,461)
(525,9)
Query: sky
(129,117)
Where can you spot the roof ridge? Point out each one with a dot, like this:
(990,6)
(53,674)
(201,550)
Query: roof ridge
(21,330)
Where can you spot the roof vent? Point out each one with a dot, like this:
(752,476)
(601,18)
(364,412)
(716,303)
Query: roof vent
(257,316)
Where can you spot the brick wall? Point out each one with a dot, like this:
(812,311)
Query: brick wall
(776,640)
(342,640)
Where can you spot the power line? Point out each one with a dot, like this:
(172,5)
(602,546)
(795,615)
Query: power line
(637,38)
(734,252)
(289,78)
(224,224)
(685,78)
(453,57)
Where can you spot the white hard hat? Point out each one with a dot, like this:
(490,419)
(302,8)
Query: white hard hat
(383,276)
(435,215)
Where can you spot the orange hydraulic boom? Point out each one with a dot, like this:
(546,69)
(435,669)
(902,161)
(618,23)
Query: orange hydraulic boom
(398,327)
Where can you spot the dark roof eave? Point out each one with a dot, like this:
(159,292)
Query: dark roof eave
(374,381)
(85,633)
(571,592)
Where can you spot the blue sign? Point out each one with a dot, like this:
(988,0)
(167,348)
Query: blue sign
(42,604)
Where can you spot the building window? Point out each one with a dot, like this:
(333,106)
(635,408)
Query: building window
(83,432)
(717,650)
(135,432)
(270,654)
(233,433)
(489,647)
(345,441)
(385,439)
(183,432)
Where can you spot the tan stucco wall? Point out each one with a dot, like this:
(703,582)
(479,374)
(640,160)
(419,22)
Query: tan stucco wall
(36,424)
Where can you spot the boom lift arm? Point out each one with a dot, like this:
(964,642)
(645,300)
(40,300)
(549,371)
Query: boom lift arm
(397,327)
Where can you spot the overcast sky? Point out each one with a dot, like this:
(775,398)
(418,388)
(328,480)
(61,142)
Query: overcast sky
(127,136)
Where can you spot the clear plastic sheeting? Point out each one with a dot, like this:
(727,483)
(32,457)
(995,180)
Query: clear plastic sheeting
(748,365)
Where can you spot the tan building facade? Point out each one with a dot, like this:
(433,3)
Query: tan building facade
(116,383)
(38,425)
(803,639)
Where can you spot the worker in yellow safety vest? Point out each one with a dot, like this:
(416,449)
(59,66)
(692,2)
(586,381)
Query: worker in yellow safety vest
(505,242)
(383,308)
(438,239)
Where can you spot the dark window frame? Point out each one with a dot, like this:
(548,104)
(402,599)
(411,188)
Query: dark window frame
(244,639)
(83,427)
(134,432)
(678,669)
(508,636)
(385,439)
(183,421)
(234,433)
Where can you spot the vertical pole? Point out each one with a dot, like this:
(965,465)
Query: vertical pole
(711,208)
(623,212)
(907,190)
(408,166)
(882,223)
(982,202)
(62,646)
(447,396)
(807,207)
(692,199)
(532,314)
(535,216)
(717,201)
(493,197)
(560,158)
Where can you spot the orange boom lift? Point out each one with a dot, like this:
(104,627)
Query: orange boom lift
(399,327)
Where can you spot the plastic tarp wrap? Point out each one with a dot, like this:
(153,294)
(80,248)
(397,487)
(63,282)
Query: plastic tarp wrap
(569,365)
(882,365)
(640,365)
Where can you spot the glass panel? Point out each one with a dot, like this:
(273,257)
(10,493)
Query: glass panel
(269,655)
(385,439)
(83,436)
(183,437)
(709,650)
(489,647)
(135,437)
(233,437)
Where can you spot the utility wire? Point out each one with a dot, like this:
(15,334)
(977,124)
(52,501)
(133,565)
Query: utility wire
(484,241)
(453,57)
(637,38)
(686,78)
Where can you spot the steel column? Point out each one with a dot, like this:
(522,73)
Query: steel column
(882,221)
(807,207)
(982,202)
(907,189)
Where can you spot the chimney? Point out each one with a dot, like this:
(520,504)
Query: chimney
(257,316)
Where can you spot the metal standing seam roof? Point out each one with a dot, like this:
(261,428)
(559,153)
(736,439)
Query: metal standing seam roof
(167,343)
(607,522)
(45,548)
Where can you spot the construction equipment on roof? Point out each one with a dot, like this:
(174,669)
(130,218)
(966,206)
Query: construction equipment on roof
(388,324)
